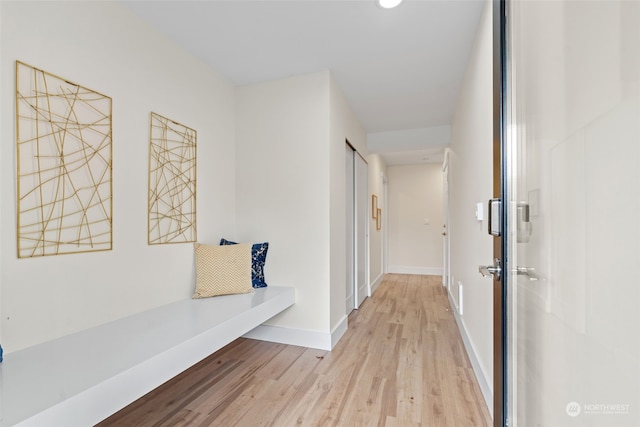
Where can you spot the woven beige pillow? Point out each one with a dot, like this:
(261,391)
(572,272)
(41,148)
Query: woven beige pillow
(222,270)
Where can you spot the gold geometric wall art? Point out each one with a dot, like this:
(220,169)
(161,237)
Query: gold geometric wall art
(64,165)
(172,182)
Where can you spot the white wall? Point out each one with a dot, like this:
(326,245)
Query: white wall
(470,183)
(377,170)
(101,45)
(415,197)
(291,192)
(282,185)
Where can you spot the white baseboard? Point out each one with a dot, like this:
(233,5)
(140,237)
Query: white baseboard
(299,337)
(339,331)
(484,381)
(376,283)
(290,336)
(429,271)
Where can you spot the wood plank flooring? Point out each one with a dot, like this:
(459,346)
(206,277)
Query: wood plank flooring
(401,363)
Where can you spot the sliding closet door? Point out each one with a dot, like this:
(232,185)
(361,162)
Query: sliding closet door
(357,229)
(350,228)
(362,228)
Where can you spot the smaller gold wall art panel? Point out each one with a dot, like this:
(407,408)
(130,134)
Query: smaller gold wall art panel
(64,165)
(172,182)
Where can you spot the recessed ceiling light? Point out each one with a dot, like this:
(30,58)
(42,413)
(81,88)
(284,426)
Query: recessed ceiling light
(388,4)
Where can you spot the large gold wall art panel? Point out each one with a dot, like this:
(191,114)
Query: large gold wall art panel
(64,165)
(172,182)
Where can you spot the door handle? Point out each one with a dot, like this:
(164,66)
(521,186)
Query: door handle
(488,270)
(496,270)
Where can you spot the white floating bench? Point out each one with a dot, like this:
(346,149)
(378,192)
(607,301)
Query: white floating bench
(82,378)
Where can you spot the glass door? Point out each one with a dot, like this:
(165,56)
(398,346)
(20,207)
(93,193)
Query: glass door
(572,205)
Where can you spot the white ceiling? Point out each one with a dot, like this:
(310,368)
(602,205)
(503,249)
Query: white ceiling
(400,69)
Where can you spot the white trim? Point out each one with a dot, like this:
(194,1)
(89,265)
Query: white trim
(484,381)
(429,271)
(300,337)
(339,331)
(376,283)
(290,336)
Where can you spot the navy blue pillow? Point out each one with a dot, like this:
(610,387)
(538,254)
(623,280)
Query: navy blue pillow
(258,259)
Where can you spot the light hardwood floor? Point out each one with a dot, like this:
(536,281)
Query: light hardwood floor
(401,363)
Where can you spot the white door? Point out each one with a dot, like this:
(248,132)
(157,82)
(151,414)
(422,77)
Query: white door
(446,272)
(350,228)
(573,212)
(362,229)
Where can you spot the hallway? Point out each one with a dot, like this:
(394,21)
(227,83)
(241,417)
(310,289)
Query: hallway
(401,363)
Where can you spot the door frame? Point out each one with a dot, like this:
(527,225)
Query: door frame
(446,216)
(500,190)
(357,230)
